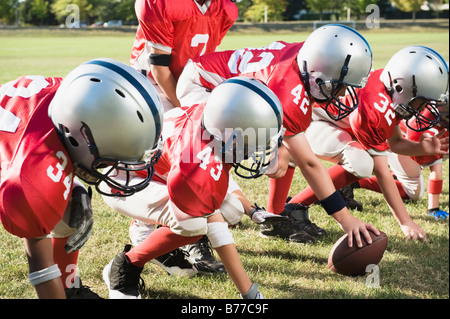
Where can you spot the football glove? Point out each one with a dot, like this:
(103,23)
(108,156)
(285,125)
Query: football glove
(259,215)
(438,214)
(81,218)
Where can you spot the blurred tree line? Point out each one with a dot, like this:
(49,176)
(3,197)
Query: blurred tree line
(55,12)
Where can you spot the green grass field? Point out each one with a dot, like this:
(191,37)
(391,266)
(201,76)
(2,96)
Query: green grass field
(409,270)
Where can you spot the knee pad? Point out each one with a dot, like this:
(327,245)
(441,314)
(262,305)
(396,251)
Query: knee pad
(219,235)
(357,162)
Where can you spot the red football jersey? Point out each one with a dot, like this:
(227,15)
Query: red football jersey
(190,164)
(374,121)
(181,26)
(276,66)
(36,172)
(415,136)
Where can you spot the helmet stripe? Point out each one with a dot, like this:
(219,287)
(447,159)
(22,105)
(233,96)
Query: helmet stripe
(261,93)
(130,78)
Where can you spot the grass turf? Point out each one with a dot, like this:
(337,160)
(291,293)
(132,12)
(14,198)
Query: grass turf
(409,270)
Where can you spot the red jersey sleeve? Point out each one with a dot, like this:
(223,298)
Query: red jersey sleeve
(415,136)
(36,171)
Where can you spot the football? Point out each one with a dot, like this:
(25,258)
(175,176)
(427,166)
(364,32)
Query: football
(353,261)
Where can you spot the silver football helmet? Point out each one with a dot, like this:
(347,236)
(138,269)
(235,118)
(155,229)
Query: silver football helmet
(416,77)
(109,117)
(444,107)
(332,57)
(245,119)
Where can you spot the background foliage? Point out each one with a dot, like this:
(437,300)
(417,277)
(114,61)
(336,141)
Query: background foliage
(53,12)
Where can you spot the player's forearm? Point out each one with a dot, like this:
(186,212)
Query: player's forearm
(311,167)
(392,196)
(165,80)
(318,179)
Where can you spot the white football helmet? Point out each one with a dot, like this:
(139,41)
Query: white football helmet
(444,107)
(334,56)
(417,73)
(108,115)
(245,119)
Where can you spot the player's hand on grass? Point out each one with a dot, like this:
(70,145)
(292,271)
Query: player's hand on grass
(413,231)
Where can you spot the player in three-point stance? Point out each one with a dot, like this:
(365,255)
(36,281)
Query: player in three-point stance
(240,126)
(54,130)
(333,58)
(409,88)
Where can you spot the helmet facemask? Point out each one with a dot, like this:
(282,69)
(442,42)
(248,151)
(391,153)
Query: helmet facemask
(251,162)
(109,118)
(416,114)
(416,79)
(331,91)
(102,169)
(245,118)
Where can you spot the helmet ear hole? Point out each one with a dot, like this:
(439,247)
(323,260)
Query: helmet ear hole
(399,89)
(73,141)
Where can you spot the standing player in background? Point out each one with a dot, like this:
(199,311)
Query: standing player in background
(188,196)
(52,130)
(409,87)
(169,34)
(333,58)
(172,32)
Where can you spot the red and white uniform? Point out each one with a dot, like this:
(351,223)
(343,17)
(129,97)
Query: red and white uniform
(352,141)
(190,182)
(275,65)
(197,180)
(182,28)
(415,136)
(36,172)
(374,121)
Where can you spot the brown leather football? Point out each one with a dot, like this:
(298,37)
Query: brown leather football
(353,261)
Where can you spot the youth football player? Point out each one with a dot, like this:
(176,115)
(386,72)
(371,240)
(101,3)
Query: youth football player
(172,32)
(320,69)
(53,129)
(414,80)
(189,195)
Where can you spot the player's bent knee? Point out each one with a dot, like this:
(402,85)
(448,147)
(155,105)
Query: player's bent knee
(219,235)
(232,209)
(358,162)
(414,187)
